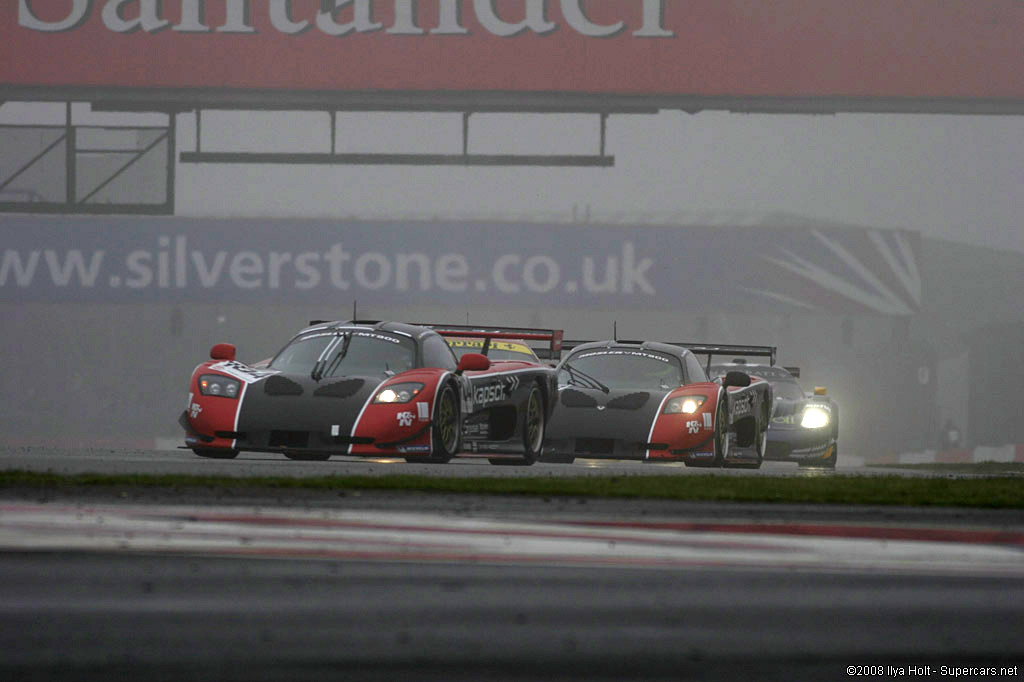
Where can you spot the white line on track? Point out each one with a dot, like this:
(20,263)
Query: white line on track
(394,536)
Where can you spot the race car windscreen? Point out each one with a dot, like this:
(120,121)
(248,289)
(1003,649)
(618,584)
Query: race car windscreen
(616,368)
(347,353)
(788,390)
(496,349)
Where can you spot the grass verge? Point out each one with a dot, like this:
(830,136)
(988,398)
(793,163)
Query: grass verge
(979,468)
(992,493)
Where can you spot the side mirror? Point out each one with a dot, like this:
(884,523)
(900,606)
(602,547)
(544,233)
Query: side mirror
(473,362)
(819,390)
(222,351)
(738,379)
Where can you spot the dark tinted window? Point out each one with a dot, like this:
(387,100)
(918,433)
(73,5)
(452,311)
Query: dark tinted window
(436,353)
(764,371)
(694,370)
(348,353)
(790,390)
(619,368)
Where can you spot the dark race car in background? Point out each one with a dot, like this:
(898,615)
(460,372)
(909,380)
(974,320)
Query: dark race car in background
(804,426)
(368,389)
(654,402)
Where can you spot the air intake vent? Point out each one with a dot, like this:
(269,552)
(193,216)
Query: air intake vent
(632,401)
(289,439)
(574,398)
(279,385)
(346,388)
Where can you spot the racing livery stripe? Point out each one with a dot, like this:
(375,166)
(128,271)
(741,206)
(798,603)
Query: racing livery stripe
(355,424)
(650,434)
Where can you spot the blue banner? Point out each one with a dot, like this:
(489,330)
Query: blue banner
(685,268)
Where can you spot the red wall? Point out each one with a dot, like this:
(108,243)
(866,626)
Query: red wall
(846,48)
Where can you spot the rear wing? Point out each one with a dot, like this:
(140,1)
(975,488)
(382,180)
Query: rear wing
(546,343)
(708,349)
(711,350)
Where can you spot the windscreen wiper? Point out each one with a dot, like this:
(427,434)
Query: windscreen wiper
(587,380)
(339,357)
(319,366)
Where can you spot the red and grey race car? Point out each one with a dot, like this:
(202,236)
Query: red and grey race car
(653,402)
(371,389)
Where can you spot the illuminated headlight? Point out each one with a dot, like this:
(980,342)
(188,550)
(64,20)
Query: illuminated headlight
(215,384)
(814,418)
(398,393)
(686,404)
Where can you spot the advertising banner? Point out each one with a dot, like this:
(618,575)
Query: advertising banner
(726,48)
(682,268)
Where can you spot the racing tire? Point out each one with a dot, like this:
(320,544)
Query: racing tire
(721,433)
(215,453)
(761,439)
(761,445)
(308,456)
(445,429)
(533,432)
(721,440)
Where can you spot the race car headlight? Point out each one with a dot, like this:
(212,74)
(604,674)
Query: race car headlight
(215,384)
(398,393)
(685,404)
(814,418)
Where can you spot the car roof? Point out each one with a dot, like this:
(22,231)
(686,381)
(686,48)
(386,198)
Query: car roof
(667,348)
(402,328)
(768,371)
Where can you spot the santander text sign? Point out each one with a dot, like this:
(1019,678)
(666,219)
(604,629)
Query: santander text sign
(711,48)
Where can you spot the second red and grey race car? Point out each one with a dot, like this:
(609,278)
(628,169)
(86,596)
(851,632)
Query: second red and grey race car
(654,402)
(370,389)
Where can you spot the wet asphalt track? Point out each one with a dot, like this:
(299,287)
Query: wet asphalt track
(188,614)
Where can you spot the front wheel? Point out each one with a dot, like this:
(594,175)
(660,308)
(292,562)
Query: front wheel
(533,431)
(445,431)
(721,432)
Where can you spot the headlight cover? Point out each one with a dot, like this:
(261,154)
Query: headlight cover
(815,417)
(398,393)
(684,404)
(220,386)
